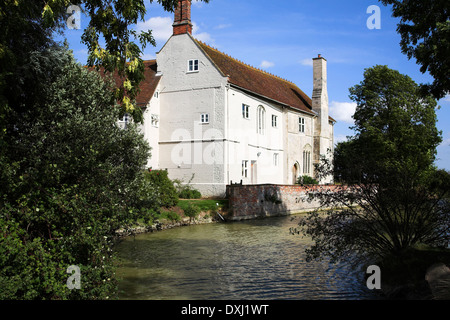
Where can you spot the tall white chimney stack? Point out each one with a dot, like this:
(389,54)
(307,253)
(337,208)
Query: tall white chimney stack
(320,105)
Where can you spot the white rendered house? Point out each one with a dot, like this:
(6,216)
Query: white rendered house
(220,121)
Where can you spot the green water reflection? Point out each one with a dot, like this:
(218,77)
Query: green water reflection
(243,260)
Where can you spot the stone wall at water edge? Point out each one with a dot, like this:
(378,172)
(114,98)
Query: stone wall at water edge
(257,201)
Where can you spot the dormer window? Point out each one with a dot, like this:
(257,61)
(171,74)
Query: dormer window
(193,65)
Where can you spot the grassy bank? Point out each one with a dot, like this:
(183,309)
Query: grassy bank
(186,212)
(204,204)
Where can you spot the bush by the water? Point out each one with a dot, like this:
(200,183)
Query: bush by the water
(306,180)
(158,190)
(185,190)
(170,215)
(69,178)
(191,211)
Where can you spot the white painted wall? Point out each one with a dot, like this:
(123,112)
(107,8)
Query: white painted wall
(187,146)
(213,152)
(297,142)
(151,129)
(246,143)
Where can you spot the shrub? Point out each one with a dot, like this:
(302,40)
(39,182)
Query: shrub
(307,180)
(158,190)
(173,216)
(191,211)
(188,193)
(170,215)
(69,186)
(185,191)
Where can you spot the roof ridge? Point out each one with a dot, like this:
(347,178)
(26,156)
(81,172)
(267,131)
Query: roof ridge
(246,64)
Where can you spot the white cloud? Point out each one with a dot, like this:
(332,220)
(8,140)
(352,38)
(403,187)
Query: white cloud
(266,64)
(446,141)
(343,111)
(339,138)
(447,98)
(201,36)
(307,62)
(223,26)
(161,27)
(197,3)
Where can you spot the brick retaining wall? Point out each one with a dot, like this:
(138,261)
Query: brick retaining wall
(255,201)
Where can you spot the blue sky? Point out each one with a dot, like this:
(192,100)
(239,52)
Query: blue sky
(283,36)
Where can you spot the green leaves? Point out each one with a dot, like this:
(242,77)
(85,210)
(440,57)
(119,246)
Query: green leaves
(425,32)
(69,185)
(397,124)
(391,198)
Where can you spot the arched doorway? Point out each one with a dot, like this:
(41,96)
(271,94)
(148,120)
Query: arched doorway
(295,172)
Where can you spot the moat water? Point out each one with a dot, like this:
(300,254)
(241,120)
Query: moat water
(251,260)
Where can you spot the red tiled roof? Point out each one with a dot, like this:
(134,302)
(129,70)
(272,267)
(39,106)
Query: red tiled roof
(258,81)
(147,86)
(239,74)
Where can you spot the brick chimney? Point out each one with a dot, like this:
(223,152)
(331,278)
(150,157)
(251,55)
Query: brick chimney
(182,23)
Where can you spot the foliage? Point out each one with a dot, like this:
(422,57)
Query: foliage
(157,190)
(413,266)
(425,35)
(344,154)
(191,211)
(394,198)
(188,193)
(306,180)
(185,190)
(110,37)
(170,215)
(204,204)
(71,178)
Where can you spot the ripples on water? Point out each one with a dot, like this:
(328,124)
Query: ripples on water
(251,260)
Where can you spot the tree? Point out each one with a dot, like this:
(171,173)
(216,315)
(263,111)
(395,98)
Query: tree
(73,181)
(29,24)
(425,35)
(69,176)
(392,198)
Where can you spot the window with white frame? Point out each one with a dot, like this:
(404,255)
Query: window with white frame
(274,121)
(125,120)
(193,65)
(301,124)
(261,120)
(245,168)
(245,111)
(275,159)
(155,120)
(204,118)
(306,162)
